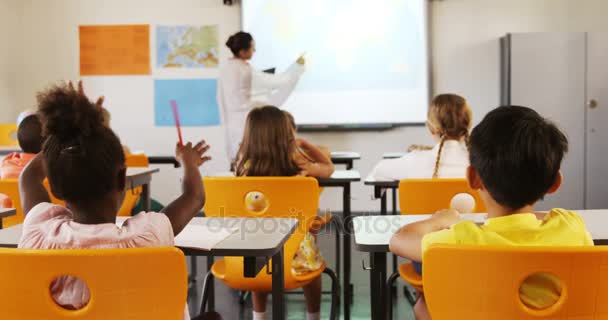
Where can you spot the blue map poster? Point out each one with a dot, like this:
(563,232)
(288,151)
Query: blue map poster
(196,100)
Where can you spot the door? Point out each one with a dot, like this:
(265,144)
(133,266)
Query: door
(597,121)
(548,75)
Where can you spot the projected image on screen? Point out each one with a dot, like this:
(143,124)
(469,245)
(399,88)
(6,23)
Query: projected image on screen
(366,60)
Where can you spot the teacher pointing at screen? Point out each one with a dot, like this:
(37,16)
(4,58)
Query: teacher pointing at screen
(241,88)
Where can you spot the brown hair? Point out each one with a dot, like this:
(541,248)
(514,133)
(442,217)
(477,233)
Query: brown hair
(450,117)
(268,145)
(291,120)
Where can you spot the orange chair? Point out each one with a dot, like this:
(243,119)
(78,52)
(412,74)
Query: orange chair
(157,291)
(137,160)
(8,135)
(288,197)
(132,195)
(427,196)
(482,282)
(10,188)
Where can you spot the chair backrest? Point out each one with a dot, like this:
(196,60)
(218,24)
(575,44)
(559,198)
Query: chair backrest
(141,283)
(133,195)
(8,135)
(427,196)
(482,282)
(284,197)
(137,160)
(10,188)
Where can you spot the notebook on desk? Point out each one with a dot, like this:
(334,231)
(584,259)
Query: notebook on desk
(203,237)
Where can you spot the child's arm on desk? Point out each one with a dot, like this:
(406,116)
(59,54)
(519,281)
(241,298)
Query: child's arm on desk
(192,200)
(407,241)
(320,166)
(31,189)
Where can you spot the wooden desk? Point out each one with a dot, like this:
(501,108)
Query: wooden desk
(6,212)
(347,158)
(343,179)
(141,177)
(6,150)
(373,233)
(249,243)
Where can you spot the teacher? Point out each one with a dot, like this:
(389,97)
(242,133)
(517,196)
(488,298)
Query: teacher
(241,88)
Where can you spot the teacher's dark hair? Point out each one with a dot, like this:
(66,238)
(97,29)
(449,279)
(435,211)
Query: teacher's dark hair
(239,41)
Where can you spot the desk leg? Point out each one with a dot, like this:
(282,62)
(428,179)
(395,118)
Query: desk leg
(145,197)
(377,278)
(383,209)
(211,296)
(394,200)
(347,286)
(278,287)
(349,165)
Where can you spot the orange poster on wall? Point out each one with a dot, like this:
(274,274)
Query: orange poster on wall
(114,50)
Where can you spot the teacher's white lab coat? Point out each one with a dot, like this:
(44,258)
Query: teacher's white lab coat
(241,88)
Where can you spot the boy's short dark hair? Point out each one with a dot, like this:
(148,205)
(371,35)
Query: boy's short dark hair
(517,154)
(29,134)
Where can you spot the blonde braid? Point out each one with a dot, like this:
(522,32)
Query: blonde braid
(436,171)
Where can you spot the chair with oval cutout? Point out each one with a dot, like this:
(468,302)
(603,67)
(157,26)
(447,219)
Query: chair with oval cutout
(119,287)
(8,135)
(487,280)
(427,196)
(282,197)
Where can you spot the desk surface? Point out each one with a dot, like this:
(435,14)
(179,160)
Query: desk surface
(393,155)
(5,150)
(373,233)
(389,184)
(7,212)
(257,237)
(341,176)
(136,172)
(344,155)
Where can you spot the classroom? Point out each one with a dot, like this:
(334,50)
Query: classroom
(303,159)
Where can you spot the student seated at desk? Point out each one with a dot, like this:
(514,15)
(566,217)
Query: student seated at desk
(515,161)
(29,136)
(449,121)
(85,165)
(269,148)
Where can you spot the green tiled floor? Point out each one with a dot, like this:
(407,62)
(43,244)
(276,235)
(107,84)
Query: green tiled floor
(228,306)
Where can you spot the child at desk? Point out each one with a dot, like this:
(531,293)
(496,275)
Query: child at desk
(449,121)
(85,165)
(29,136)
(515,161)
(270,148)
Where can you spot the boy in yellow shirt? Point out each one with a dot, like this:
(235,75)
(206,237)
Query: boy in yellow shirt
(515,157)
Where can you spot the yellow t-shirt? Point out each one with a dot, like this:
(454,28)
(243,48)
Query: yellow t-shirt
(559,227)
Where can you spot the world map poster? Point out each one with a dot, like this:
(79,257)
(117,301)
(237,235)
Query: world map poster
(194,47)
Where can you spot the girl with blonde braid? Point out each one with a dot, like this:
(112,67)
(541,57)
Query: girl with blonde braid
(449,121)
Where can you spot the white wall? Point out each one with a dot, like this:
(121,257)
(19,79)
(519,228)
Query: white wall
(10,60)
(465,60)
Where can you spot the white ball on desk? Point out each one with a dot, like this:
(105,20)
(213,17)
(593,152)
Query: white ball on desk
(463,203)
